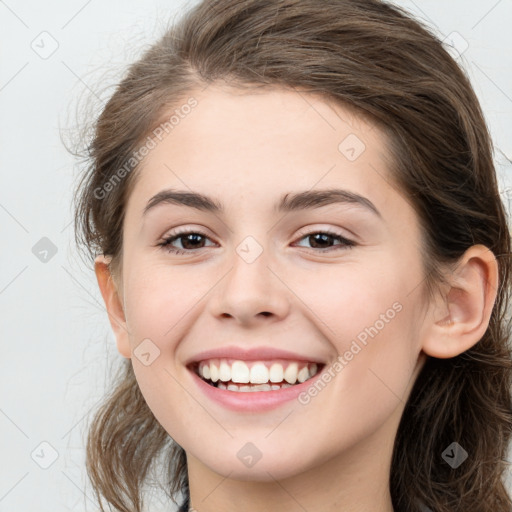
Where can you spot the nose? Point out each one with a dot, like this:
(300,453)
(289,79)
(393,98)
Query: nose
(251,292)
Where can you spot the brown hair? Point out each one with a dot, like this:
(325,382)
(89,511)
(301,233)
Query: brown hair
(371,56)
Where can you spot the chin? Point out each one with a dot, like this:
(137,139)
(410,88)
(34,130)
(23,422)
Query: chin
(268,468)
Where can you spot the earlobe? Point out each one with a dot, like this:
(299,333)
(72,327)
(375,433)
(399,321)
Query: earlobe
(462,314)
(113,304)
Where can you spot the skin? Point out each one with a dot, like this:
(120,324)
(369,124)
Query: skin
(247,149)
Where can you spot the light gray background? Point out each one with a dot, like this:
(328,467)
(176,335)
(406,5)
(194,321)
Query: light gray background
(55,337)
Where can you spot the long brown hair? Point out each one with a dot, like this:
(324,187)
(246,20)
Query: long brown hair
(373,57)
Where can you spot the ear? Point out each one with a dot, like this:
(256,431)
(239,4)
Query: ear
(461,316)
(113,304)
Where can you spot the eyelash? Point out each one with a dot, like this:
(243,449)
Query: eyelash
(166,244)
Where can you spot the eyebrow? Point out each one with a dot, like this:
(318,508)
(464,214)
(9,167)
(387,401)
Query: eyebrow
(289,202)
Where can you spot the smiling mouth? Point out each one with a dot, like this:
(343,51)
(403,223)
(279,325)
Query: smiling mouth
(251,376)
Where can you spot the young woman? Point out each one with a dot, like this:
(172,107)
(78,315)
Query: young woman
(305,260)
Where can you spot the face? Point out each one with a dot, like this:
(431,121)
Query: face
(283,274)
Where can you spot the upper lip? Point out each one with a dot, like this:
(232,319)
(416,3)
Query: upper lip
(251,354)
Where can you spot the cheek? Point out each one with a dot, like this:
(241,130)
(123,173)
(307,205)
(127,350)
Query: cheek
(173,409)
(371,318)
(350,298)
(370,378)
(160,303)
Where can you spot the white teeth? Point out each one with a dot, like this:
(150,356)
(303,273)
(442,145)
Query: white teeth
(276,373)
(303,374)
(290,374)
(262,387)
(248,389)
(224,371)
(259,387)
(214,372)
(239,372)
(257,373)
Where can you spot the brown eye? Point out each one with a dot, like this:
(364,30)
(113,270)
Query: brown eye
(189,240)
(322,241)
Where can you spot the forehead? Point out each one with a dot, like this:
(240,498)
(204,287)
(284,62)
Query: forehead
(258,144)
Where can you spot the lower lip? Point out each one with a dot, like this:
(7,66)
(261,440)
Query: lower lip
(253,401)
